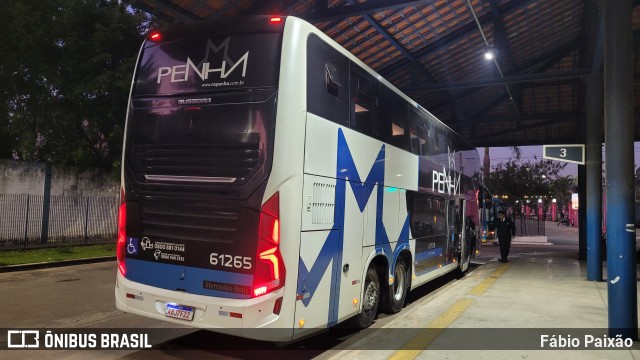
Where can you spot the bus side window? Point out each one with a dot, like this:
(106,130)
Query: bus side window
(431,138)
(364,105)
(439,217)
(421,214)
(418,133)
(327,81)
(394,116)
(440,146)
(422,139)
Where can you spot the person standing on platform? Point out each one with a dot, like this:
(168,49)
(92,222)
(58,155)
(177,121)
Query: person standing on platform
(505,231)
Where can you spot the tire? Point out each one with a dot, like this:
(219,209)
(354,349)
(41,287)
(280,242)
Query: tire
(393,301)
(370,300)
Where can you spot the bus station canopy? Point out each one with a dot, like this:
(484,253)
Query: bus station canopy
(531,92)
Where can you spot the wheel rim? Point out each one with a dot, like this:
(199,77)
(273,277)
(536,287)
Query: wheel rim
(398,284)
(370,296)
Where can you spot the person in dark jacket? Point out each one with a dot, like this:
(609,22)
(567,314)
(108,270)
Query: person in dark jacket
(505,231)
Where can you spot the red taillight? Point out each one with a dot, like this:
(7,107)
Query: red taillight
(122,238)
(269,272)
(275,20)
(155,36)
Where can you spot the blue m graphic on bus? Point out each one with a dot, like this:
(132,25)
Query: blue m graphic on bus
(331,251)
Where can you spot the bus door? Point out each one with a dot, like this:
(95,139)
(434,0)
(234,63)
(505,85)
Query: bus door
(477,233)
(465,236)
(455,245)
(452,238)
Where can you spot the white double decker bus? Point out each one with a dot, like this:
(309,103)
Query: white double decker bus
(274,185)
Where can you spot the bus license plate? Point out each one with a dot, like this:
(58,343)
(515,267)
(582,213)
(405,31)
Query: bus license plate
(179,312)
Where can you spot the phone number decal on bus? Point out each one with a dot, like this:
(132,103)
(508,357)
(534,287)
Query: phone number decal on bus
(169,246)
(224,260)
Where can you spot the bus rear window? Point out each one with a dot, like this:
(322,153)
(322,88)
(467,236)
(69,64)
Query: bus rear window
(228,62)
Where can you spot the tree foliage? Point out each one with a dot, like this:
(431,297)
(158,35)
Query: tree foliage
(66,70)
(518,180)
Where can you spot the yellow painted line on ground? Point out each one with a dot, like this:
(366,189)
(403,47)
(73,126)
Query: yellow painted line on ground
(484,285)
(500,270)
(431,332)
(418,343)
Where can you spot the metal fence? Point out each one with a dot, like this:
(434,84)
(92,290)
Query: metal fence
(529,227)
(71,220)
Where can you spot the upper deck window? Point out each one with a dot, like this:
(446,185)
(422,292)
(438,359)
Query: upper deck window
(364,110)
(327,81)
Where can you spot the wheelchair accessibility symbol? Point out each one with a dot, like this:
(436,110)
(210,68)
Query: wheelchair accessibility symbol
(132,246)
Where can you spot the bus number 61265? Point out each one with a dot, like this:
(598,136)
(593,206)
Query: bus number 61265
(239,262)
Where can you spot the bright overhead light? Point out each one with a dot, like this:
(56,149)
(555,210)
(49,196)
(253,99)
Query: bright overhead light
(488,55)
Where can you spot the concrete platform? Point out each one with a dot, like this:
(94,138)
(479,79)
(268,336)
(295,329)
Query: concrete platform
(531,240)
(505,311)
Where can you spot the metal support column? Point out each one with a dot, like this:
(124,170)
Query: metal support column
(594,177)
(46,201)
(618,104)
(582,212)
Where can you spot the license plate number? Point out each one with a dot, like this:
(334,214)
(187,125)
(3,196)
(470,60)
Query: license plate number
(179,312)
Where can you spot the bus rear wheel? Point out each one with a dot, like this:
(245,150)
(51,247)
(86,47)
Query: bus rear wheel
(397,293)
(370,300)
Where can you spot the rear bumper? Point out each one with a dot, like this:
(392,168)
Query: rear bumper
(250,318)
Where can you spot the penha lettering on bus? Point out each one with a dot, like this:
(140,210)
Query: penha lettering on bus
(180,73)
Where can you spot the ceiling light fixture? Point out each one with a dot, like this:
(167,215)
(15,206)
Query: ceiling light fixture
(491,57)
(488,55)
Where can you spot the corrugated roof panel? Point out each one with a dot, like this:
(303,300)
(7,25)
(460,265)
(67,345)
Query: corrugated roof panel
(550,99)
(635,18)
(530,32)
(477,101)
(433,102)
(299,7)
(460,61)
(505,108)
(570,62)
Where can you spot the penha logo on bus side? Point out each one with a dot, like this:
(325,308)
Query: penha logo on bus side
(447,181)
(181,73)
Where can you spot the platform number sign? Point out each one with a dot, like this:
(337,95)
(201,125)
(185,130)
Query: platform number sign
(573,153)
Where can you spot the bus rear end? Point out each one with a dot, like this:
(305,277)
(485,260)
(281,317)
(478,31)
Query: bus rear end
(198,236)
